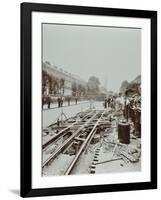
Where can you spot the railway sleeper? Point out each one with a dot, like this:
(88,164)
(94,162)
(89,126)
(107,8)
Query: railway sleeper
(92,171)
(93,166)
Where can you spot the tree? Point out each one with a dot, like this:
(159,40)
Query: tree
(54,85)
(124,86)
(74,88)
(46,81)
(93,85)
(81,90)
(62,82)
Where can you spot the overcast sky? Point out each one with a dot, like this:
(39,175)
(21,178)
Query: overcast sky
(111,54)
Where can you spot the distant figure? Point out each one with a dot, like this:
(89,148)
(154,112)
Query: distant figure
(68,99)
(109,101)
(43,101)
(59,102)
(126,108)
(91,104)
(58,122)
(76,100)
(105,103)
(113,103)
(48,101)
(119,103)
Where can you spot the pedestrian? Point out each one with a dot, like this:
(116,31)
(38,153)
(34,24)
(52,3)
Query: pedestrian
(68,99)
(126,108)
(58,122)
(109,102)
(118,104)
(43,101)
(59,102)
(112,103)
(105,103)
(138,122)
(76,100)
(48,101)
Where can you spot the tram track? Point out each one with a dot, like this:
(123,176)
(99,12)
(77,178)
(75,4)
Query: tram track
(68,140)
(83,146)
(63,132)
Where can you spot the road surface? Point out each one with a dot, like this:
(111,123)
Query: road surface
(50,116)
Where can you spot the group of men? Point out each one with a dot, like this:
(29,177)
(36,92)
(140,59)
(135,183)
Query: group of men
(131,107)
(60,101)
(114,102)
(133,111)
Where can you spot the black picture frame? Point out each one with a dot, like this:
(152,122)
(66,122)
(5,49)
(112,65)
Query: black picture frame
(26,104)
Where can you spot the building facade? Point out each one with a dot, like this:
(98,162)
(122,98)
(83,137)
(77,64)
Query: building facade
(58,82)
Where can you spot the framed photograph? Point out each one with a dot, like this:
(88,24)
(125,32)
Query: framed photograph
(88,99)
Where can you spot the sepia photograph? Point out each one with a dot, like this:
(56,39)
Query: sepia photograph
(88,99)
(91,99)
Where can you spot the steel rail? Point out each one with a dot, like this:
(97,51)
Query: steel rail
(68,141)
(61,133)
(86,142)
(97,124)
